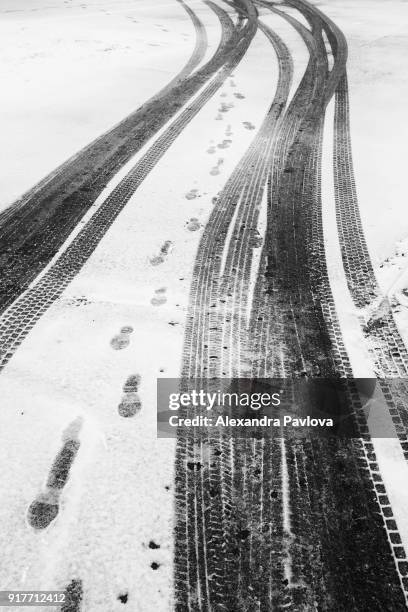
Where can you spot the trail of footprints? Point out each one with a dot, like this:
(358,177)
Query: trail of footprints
(222,145)
(45,507)
(130,403)
(193,224)
(226,106)
(225,144)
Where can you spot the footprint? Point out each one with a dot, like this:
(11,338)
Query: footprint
(224,144)
(73,597)
(42,512)
(248,125)
(216,170)
(126,329)
(193,225)
(164,251)
(44,509)
(160,297)
(132,383)
(224,94)
(130,403)
(219,117)
(211,150)
(166,247)
(121,340)
(225,107)
(78,301)
(232,84)
(228,131)
(59,473)
(156,260)
(240,96)
(192,194)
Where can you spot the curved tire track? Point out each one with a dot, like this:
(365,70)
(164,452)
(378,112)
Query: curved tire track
(34,228)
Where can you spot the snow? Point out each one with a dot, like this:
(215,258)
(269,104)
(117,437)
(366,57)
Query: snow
(76,69)
(392,275)
(83,66)
(390,458)
(293,40)
(378,43)
(346,311)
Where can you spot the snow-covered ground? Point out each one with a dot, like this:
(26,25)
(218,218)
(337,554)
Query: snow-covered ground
(121,481)
(390,458)
(73,69)
(378,80)
(378,45)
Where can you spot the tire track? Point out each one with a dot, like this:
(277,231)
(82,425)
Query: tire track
(294,571)
(290,127)
(292,531)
